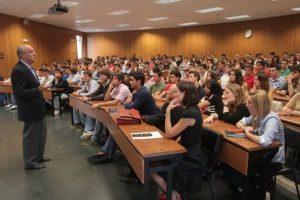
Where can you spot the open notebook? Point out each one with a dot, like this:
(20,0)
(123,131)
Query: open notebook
(146,135)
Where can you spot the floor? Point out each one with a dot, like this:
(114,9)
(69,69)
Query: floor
(68,175)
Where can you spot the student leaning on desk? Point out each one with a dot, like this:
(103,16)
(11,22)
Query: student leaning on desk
(263,126)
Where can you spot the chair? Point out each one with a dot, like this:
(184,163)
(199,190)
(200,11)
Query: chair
(292,140)
(213,151)
(213,162)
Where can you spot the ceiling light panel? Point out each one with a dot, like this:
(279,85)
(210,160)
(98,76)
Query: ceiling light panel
(123,25)
(84,21)
(166,1)
(155,19)
(188,24)
(37,16)
(237,17)
(119,12)
(209,10)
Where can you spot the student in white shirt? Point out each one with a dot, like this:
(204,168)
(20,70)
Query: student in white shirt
(48,79)
(225,77)
(89,87)
(74,77)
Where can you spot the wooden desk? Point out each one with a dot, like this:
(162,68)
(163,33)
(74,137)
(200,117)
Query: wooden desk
(290,120)
(47,93)
(284,99)
(50,94)
(140,154)
(6,88)
(75,87)
(239,153)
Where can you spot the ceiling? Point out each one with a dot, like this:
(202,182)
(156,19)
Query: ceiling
(141,10)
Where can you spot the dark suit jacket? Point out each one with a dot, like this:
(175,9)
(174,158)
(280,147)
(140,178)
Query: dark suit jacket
(30,100)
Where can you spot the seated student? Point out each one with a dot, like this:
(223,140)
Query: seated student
(2,96)
(141,100)
(41,75)
(117,92)
(261,82)
(265,123)
(285,70)
(293,80)
(235,77)
(234,106)
(174,78)
(158,85)
(148,81)
(74,77)
(48,78)
(203,73)
(213,99)
(261,66)
(158,119)
(98,132)
(194,78)
(292,107)
(249,77)
(88,88)
(188,173)
(225,77)
(10,98)
(277,83)
(59,82)
(127,81)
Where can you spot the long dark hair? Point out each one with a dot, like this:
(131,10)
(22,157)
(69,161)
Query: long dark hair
(191,95)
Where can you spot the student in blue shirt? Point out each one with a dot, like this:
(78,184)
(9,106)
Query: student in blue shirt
(141,99)
(265,123)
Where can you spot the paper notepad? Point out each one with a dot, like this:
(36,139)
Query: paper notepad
(146,135)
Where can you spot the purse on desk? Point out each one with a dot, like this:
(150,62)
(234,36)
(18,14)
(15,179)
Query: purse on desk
(128,116)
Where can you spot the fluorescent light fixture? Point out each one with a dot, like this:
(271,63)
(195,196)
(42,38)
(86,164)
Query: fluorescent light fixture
(119,12)
(237,17)
(37,16)
(84,21)
(208,10)
(166,1)
(188,24)
(155,19)
(69,3)
(123,25)
(147,27)
(296,9)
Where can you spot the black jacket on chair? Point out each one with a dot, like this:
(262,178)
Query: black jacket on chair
(30,100)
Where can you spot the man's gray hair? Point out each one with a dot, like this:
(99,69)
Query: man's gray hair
(20,51)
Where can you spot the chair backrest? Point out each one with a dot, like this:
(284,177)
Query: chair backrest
(292,137)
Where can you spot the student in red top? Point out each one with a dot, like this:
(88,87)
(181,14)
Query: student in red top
(174,77)
(261,66)
(249,77)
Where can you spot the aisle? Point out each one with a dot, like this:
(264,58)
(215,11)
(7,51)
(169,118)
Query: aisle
(68,176)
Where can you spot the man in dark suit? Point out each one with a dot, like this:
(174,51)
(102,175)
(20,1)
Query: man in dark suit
(31,108)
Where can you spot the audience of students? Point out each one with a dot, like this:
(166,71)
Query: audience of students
(235,90)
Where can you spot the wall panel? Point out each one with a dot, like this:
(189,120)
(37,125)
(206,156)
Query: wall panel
(50,42)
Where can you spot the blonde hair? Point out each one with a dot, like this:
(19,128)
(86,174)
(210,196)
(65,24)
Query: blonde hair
(238,92)
(261,101)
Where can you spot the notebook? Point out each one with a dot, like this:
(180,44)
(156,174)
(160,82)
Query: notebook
(146,135)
